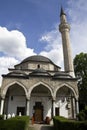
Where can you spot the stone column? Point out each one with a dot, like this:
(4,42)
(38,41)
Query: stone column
(2,106)
(77,107)
(27,106)
(53,107)
(74,110)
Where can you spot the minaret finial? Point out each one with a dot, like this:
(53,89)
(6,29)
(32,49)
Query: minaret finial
(62,11)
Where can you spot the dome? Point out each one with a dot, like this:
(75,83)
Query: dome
(34,60)
(40,72)
(16,73)
(62,75)
(37,58)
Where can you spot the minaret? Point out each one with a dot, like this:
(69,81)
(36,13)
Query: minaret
(64,28)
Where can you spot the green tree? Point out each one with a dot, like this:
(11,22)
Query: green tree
(80,67)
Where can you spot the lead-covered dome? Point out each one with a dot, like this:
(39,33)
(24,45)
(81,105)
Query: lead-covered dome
(37,58)
(62,75)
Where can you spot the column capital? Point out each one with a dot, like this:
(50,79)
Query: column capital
(2,96)
(77,100)
(28,98)
(53,98)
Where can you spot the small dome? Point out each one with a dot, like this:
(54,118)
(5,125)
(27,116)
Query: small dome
(16,73)
(62,75)
(40,71)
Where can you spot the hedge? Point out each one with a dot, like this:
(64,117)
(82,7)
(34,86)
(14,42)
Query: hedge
(82,116)
(1,117)
(16,123)
(61,123)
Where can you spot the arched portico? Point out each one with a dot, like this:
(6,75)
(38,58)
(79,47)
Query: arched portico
(40,83)
(40,101)
(14,100)
(68,86)
(11,84)
(65,103)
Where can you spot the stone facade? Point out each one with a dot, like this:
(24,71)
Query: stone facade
(23,89)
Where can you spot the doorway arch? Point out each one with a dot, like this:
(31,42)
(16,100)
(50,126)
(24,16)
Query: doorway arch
(40,102)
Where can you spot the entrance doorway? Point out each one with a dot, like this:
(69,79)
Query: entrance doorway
(38,112)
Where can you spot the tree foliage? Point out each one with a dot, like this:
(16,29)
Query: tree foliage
(80,67)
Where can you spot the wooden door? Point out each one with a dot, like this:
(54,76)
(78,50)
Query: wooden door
(38,112)
(38,115)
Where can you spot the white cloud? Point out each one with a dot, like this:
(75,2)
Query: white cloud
(13,43)
(13,47)
(53,49)
(78,5)
(77,11)
(52,39)
(79,38)
(55,55)
(6,62)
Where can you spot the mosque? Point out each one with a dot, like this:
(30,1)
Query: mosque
(37,87)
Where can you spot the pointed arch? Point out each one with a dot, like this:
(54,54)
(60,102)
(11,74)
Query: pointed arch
(40,83)
(68,86)
(15,82)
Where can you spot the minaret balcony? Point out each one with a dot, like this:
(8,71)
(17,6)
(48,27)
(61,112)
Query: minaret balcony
(64,27)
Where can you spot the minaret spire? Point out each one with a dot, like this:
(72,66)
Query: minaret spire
(62,12)
(64,28)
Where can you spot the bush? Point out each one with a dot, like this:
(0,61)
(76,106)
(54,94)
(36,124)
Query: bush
(16,123)
(82,116)
(61,123)
(1,117)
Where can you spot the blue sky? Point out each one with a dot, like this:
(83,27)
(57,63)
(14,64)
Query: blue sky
(30,27)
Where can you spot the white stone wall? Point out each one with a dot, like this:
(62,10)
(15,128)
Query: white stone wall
(62,107)
(18,99)
(16,102)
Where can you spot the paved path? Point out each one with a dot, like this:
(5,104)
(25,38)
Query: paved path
(40,127)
